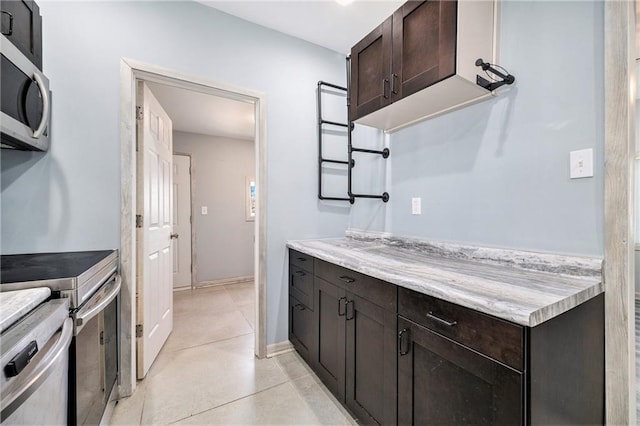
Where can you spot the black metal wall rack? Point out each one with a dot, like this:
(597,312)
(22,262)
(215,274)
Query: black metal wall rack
(321,123)
(350,162)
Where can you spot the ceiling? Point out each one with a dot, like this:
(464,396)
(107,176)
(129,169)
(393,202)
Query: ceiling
(206,114)
(322,22)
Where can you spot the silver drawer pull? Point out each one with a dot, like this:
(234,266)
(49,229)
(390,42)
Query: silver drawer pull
(301,259)
(299,306)
(441,321)
(401,345)
(346,279)
(300,273)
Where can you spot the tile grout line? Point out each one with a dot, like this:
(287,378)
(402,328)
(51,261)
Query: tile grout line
(208,343)
(144,401)
(231,402)
(247,320)
(193,347)
(236,305)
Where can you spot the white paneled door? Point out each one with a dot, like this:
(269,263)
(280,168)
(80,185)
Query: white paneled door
(182,221)
(154,229)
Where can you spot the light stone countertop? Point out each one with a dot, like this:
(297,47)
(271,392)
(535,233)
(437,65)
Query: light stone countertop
(526,288)
(15,304)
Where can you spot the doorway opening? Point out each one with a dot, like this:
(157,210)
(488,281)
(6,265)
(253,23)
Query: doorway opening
(253,203)
(213,186)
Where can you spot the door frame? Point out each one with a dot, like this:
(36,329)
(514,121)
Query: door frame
(619,163)
(192,236)
(132,71)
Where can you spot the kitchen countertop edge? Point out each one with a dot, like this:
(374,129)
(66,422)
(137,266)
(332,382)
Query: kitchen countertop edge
(580,289)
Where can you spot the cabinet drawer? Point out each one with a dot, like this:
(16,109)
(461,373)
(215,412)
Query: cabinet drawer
(301,330)
(491,336)
(379,292)
(301,260)
(301,285)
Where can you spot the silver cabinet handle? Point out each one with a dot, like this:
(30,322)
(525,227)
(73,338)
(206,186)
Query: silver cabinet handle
(173,236)
(340,312)
(110,290)
(346,279)
(440,320)
(401,351)
(385,83)
(45,106)
(346,311)
(10,30)
(25,386)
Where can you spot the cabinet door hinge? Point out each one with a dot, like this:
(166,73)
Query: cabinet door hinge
(138,221)
(139,330)
(139,113)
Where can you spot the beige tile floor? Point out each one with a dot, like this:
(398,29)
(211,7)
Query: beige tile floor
(207,373)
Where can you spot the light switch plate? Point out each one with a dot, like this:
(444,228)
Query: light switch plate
(416,205)
(581,163)
(204,210)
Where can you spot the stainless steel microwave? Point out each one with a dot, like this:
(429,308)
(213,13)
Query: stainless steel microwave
(25,109)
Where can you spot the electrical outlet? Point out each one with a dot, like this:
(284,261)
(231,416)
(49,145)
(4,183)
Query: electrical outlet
(204,210)
(416,205)
(581,163)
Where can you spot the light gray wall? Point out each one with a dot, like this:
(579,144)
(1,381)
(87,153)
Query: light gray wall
(223,237)
(497,173)
(68,199)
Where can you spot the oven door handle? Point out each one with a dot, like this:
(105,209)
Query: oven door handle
(45,106)
(109,292)
(25,386)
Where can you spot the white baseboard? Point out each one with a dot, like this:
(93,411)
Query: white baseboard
(175,289)
(224,281)
(279,348)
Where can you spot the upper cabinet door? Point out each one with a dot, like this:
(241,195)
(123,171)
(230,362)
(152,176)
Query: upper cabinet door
(21,24)
(424,45)
(370,71)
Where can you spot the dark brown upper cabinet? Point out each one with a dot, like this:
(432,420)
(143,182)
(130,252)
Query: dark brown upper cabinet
(421,62)
(370,64)
(21,24)
(424,45)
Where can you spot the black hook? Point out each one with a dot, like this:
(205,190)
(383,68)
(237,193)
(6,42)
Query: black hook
(502,73)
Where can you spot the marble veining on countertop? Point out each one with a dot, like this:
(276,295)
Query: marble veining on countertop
(527,288)
(16,304)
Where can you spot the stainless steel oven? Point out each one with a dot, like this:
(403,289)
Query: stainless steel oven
(94,352)
(25,107)
(91,283)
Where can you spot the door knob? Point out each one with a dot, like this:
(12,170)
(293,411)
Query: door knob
(173,236)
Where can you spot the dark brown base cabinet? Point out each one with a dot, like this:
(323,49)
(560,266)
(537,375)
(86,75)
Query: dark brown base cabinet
(355,356)
(395,356)
(443,382)
(302,333)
